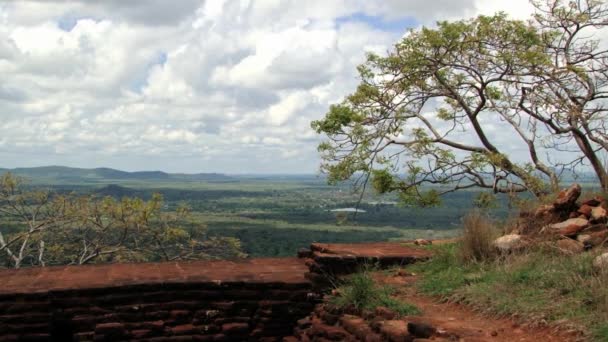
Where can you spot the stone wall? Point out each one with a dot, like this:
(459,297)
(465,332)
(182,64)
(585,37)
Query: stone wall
(248,300)
(263,305)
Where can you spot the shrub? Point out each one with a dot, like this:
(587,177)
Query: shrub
(361,292)
(477,237)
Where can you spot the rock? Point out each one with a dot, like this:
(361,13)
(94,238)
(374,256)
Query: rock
(585,209)
(421,330)
(304,253)
(571,231)
(574,214)
(598,238)
(592,202)
(583,238)
(394,330)
(567,197)
(509,243)
(569,246)
(599,214)
(544,210)
(578,222)
(595,228)
(600,263)
(385,313)
(235,328)
(358,327)
(422,242)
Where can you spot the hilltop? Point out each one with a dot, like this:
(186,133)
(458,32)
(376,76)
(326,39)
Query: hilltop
(63,174)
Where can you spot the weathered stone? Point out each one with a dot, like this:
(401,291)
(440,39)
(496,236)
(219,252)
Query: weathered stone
(571,230)
(599,214)
(543,210)
(569,246)
(358,327)
(385,313)
(235,328)
(592,202)
(421,330)
(577,222)
(567,197)
(583,238)
(585,209)
(394,330)
(509,243)
(598,238)
(600,263)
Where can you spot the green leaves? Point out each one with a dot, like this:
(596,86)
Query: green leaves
(424,115)
(382,181)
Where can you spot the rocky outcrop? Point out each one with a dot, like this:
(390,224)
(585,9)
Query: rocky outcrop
(327,261)
(329,324)
(569,226)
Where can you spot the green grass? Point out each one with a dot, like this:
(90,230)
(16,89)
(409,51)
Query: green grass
(361,292)
(538,286)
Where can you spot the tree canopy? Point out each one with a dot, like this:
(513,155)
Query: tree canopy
(43,228)
(489,102)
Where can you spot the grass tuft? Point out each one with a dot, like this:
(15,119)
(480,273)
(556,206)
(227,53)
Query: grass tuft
(537,286)
(361,292)
(477,237)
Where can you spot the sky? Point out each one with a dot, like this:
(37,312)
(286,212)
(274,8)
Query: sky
(191,85)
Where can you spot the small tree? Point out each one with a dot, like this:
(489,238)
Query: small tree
(433,111)
(29,214)
(41,228)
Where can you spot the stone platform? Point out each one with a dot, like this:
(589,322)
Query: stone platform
(64,278)
(327,261)
(246,300)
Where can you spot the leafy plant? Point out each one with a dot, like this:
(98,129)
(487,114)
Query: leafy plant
(361,292)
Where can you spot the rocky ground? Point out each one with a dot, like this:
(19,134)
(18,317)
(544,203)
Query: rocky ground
(438,322)
(566,225)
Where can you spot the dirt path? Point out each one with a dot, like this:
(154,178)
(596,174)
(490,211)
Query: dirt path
(465,323)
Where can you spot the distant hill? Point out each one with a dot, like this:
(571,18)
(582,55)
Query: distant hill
(61,174)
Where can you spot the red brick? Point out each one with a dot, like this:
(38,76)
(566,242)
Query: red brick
(235,328)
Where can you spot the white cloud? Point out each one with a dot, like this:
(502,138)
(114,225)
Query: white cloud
(189,85)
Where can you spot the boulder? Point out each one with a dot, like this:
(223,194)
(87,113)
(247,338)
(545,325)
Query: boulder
(598,238)
(394,330)
(509,243)
(577,222)
(544,210)
(599,214)
(567,197)
(385,313)
(594,228)
(421,330)
(569,246)
(585,209)
(571,231)
(600,263)
(592,202)
(583,238)
(422,242)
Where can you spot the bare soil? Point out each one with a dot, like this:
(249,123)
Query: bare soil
(468,325)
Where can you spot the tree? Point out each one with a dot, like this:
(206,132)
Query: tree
(31,213)
(42,228)
(427,112)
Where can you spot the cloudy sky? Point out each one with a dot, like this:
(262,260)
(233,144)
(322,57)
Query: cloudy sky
(190,85)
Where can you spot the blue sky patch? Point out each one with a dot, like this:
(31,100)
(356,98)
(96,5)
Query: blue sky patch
(378,22)
(67,23)
(142,80)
